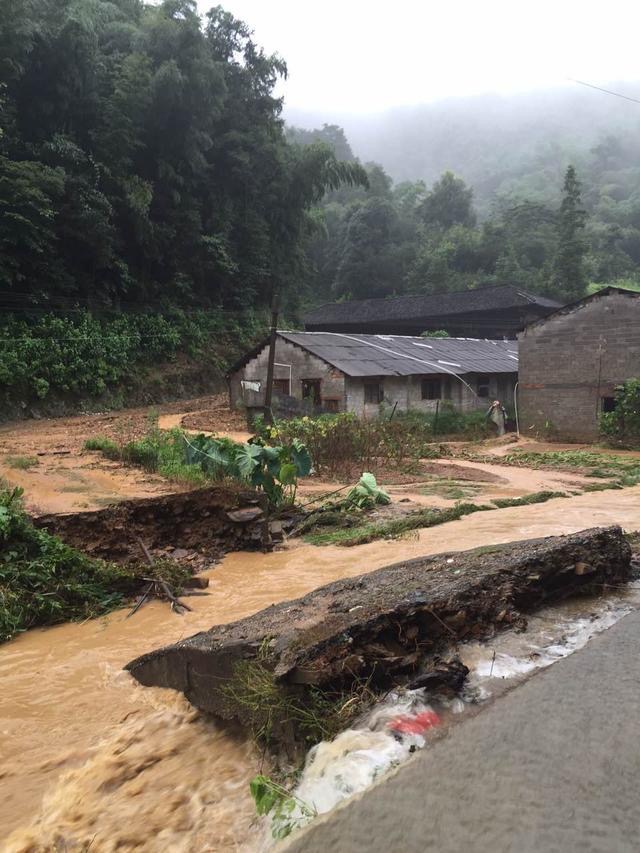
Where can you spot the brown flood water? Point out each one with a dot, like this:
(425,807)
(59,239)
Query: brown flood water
(88,757)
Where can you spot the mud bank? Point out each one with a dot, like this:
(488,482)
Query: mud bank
(381,627)
(211,521)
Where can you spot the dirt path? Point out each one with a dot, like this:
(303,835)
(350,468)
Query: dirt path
(63,477)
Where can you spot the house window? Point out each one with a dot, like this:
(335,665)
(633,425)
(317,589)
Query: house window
(431,388)
(311,391)
(373,392)
(482,384)
(608,404)
(282,387)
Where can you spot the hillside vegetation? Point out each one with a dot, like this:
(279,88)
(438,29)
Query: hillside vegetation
(144,170)
(152,200)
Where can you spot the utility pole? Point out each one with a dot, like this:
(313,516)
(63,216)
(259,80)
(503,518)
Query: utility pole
(275,307)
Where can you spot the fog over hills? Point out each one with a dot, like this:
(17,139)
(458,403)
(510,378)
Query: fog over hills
(504,144)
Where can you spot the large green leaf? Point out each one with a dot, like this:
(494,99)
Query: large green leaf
(301,458)
(247,459)
(288,474)
(272,456)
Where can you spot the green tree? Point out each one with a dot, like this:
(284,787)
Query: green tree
(448,203)
(569,272)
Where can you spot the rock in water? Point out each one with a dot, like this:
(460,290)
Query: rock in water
(383,627)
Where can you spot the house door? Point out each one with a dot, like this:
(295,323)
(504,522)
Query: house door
(311,391)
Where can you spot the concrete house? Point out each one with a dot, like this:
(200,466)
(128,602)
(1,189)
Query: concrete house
(494,312)
(334,372)
(572,360)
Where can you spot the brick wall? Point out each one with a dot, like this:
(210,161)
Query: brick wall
(293,363)
(570,361)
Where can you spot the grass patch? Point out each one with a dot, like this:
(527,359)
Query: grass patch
(624,472)
(22,463)
(43,581)
(451,489)
(533,498)
(602,487)
(159,451)
(306,716)
(106,446)
(396,527)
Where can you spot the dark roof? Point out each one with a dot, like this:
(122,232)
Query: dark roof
(572,306)
(400,355)
(496,298)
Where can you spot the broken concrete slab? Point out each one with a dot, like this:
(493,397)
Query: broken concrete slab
(383,626)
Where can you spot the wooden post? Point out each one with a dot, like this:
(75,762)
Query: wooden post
(435,420)
(275,307)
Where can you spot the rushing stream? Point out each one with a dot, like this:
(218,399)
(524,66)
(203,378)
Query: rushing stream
(90,758)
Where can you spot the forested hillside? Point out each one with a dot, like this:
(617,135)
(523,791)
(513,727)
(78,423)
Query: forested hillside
(152,199)
(144,168)
(479,197)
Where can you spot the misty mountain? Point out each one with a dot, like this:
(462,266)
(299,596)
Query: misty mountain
(505,145)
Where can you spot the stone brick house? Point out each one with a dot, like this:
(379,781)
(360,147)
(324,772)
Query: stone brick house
(334,372)
(571,361)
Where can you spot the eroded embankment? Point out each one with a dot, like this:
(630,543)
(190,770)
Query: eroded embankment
(381,627)
(211,521)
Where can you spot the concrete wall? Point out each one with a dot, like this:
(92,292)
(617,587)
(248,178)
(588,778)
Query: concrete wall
(571,361)
(407,393)
(294,362)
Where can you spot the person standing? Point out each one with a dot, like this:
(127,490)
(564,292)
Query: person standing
(498,415)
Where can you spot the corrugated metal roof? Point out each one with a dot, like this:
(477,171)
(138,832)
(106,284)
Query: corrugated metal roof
(400,355)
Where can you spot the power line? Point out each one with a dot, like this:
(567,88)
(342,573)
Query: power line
(606,91)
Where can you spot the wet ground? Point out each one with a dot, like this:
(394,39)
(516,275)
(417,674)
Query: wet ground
(66,705)
(91,758)
(63,477)
(60,476)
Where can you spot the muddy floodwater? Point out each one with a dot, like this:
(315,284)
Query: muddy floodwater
(88,757)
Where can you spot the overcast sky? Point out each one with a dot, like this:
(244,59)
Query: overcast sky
(367,55)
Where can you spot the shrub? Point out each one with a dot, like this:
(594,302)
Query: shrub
(341,444)
(623,423)
(44,581)
(197,460)
(82,355)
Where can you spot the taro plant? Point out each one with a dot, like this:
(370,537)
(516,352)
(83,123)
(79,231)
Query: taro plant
(367,493)
(275,470)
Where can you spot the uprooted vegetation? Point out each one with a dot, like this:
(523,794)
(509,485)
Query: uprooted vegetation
(44,581)
(374,631)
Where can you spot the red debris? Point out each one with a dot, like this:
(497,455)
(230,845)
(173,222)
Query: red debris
(416,724)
